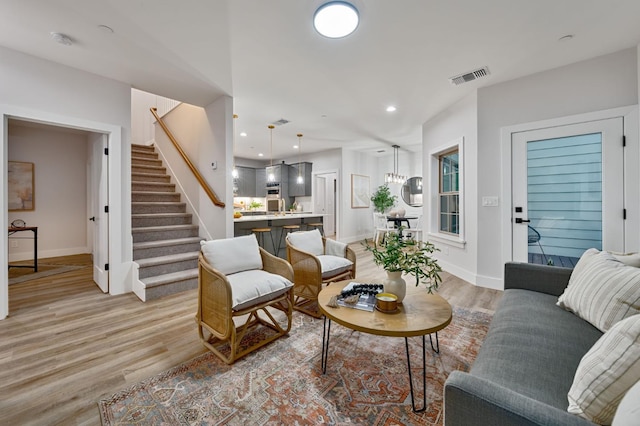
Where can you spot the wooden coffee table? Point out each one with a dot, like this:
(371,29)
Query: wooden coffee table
(419,314)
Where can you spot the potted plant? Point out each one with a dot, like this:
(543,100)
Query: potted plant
(398,255)
(255,205)
(382,199)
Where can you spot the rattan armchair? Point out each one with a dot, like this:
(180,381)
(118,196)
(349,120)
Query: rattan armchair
(220,310)
(312,268)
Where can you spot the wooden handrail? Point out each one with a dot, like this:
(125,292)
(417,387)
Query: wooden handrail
(214,198)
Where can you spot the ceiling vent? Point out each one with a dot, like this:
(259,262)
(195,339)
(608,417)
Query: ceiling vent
(469,76)
(280,122)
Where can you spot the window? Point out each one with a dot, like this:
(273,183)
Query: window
(449,193)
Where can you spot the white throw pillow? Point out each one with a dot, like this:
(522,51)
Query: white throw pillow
(631,259)
(607,372)
(628,412)
(249,288)
(231,255)
(602,290)
(309,241)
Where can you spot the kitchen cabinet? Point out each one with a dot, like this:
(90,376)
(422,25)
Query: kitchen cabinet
(261,183)
(296,189)
(280,173)
(245,184)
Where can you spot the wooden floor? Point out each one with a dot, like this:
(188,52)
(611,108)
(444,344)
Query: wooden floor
(65,344)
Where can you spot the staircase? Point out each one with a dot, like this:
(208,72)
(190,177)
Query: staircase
(165,242)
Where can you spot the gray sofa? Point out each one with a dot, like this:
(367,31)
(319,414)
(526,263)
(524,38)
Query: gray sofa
(527,362)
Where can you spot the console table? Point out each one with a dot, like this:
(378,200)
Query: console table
(33,229)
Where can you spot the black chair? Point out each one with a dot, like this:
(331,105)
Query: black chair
(534,238)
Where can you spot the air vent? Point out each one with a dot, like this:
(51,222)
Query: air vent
(280,122)
(469,76)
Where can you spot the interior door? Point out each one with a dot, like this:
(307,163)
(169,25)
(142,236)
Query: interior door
(568,191)
(98,199)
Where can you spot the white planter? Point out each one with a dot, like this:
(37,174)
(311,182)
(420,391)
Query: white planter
(395,284)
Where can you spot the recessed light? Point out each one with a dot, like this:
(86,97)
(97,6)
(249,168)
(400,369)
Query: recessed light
(61,38)
(243,134)
(260,154)
(336,19)
(296,147)
(391,108)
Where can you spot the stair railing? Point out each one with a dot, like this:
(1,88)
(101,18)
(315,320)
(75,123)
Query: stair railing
(205,186)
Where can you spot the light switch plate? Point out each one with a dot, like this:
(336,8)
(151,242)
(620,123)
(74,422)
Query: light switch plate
(490,201)
(214,165)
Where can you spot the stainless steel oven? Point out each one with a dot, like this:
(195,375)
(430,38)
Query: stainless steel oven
(275,204)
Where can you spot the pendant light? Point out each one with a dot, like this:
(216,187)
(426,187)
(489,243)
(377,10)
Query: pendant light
(395,177)
(234,171)
(271,177)
(300,179)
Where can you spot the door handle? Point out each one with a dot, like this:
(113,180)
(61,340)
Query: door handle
(93,218)
(521,220)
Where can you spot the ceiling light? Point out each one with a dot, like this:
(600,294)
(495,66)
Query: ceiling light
(391,108)
(271,177)
(336,19)
(296,147)
(394,177)
(300,179)
(260,154)
(61,38)
(243,134)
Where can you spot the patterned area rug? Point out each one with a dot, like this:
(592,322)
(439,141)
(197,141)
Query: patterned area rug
(366,381)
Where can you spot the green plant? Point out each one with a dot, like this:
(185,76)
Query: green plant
(254,205)
(382,199)
(409,256)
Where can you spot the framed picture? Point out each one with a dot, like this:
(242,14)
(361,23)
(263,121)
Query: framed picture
(360,196)
(21,182)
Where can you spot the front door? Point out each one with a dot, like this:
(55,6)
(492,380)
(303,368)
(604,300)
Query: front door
(568,196)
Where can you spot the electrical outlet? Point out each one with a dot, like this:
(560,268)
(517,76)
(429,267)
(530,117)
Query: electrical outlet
(14,243)
(214,165)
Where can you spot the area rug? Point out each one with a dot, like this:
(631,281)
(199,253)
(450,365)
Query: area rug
(44,271)
(282,384)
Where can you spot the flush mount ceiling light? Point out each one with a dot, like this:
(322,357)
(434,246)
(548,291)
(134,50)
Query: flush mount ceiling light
(336,19)
(61,38)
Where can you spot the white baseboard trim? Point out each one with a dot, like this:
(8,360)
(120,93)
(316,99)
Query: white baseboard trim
(44,254)
(475,279)
(490,282)
(137,286)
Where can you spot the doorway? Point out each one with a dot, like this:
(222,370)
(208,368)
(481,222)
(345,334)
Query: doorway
(325,200)
(567,191)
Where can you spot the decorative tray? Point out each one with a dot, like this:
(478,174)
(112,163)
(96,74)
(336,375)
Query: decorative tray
(359,296)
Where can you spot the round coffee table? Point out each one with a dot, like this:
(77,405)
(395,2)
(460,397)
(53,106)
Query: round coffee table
(419,314)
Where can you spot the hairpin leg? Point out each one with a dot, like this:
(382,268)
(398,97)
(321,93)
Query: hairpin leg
(424,377)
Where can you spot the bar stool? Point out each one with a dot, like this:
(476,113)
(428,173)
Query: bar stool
(259,232)
(316,225)
(286,229)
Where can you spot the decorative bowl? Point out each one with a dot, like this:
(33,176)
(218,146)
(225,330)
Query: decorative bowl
(386,302)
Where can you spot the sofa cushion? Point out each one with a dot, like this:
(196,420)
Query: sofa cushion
(606,372)
(309,241)
(333,265)
(631,259)
(249,288)
(628,411)
(602,290)
(231,255)
(533,347)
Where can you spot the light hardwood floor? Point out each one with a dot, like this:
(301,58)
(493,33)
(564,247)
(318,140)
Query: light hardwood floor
(65,344)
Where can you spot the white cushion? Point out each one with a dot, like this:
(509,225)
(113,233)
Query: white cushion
(607,372)
(631,259)
(602,290)
(333,265)
(309,241)
(628,411)
(249,288)
(335,248)
(233,255)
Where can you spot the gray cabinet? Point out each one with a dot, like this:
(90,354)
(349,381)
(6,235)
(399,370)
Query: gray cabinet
(245,184)
(261,183)
(296,189)
(280,173)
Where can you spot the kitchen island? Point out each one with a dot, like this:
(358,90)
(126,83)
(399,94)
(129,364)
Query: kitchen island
(244,225)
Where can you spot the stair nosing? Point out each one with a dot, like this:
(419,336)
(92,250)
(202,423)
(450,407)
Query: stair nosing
(163,279)
(167,259)
(164,228)
(163,243)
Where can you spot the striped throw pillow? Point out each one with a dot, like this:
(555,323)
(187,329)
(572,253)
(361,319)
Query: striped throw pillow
(602,290)
(607,372)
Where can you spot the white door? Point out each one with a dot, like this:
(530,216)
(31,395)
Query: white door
(325,200)
(567,185)
(98,199)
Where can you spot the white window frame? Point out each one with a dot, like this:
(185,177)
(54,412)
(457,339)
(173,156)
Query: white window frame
(434,194)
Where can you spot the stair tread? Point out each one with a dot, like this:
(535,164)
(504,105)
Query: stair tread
(169,258)
(169,278)
(156,203)
(158,215)
(162,243)
(144,182)
(154,193)
(163,228)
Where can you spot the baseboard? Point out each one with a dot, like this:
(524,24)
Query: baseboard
(137,286)
(470,277)
(490,282)
(44,254)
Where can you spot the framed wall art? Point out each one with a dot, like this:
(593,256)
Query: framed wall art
(360,196)
(21,186)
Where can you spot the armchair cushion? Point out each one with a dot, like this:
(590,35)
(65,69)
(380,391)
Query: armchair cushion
(249,288)
(335,248)
(233,255)
(333,265)
(309,241)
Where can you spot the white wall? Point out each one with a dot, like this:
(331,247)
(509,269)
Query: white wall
(356,224)
(60,193)
(205,135)
(458,121)
(142,121)
(597,84)
(48,92)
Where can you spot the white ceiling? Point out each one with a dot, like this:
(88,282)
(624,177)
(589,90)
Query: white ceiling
(269,58)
